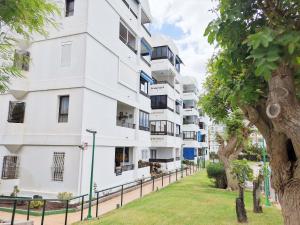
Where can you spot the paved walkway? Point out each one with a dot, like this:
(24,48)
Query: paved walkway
(104,207)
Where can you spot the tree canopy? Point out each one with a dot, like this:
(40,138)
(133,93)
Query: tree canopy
(18,21)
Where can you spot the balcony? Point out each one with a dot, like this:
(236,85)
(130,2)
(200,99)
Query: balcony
(165,141)
(189,135)
(123,159)
(125,116)
(190,96)
(162,160)
(190,112)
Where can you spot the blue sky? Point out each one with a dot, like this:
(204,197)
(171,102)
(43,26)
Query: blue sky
(185,22)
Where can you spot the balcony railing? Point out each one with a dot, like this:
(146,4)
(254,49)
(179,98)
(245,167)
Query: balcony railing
(189,135)
(120,169)
(177,158)
(162,133)
(162,160)
(121,123)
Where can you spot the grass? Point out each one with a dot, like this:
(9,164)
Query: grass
(191,201)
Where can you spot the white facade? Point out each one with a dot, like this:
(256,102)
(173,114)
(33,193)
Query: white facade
(194,122)
(213,130)
(85,60)
(166,114)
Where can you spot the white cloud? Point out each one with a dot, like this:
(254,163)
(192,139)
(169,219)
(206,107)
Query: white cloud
(192,17)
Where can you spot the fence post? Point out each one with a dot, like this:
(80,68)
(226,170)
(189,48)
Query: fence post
(181,172)
(153,179)
(169,177)
(97,206)
(82,201)
(122,190)
(67,209)
(28,210)
(162,179)
(176,174)
(13,212)
(141,191)
(43,212)
(190,168)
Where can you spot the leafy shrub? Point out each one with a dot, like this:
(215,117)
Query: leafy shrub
(64,196)
(216,171)
(36,204)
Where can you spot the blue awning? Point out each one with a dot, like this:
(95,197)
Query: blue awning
(146,77)
(147,45)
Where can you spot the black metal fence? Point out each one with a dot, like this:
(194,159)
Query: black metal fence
(79,203)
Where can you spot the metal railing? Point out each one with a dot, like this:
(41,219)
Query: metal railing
(78,204)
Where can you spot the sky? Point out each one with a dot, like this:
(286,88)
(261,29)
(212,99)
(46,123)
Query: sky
(185,21)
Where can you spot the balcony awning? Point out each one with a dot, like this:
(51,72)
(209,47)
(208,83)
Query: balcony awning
(147,45)
(146,77)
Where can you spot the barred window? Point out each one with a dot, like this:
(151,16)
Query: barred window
(58,166)
(10,168)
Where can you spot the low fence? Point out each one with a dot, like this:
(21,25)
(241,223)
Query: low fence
(79,203)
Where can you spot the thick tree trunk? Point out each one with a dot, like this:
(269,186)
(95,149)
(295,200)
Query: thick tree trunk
(256,195)
(240,207)
(226,154)
(283,161)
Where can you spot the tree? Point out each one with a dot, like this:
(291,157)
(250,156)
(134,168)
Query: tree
(257,70)
(242,173)
(18,21)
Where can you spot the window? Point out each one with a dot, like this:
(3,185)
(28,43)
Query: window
(201,125)
(121,156)
(66,54)
(177,107)
(144,121)
(177,130)
(127,37)
(189,135)
(162,127)
(16,112)
(22,59)
(63,109)
(144,86)
(70,7)
(163,52)
(146,50)
(153,154)
(159,102)
(203,138)
(58,166)
(10,167)
(132,5)
(177,63)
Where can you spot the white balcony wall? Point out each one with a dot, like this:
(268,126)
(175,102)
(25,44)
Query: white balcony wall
(165,141)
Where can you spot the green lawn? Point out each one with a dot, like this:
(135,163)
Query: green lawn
(190,201)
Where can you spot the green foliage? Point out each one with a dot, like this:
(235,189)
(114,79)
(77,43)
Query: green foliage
(15,191)
(241,171)
(216,171)
(252,152)
(23,18)
(36,204)
(64,196)
(253,39)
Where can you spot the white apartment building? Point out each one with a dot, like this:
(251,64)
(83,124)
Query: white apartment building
(166,104)
(194,129)
(213,130)
(92,73)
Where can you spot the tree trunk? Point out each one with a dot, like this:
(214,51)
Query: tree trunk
(226,154)
(240,207)
(285,176)
(256,195)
